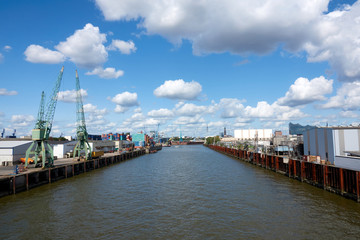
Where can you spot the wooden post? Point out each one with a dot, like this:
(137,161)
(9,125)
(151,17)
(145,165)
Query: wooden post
(65,171)
(357,187)
(266,161)
(49,175)
(14,185)
(313,172)
(295,173)
(302,171)
(290,163)
(85,165)
(27,181)
(324,175)
(276,164)
(341,180)
(73,170)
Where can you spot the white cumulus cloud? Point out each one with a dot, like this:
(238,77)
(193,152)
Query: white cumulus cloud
(70,95)
(39,54)
(92,109)
(161,113)
(189,120)
(190,109)
(85,47)
(124,47)
(107,73)
(124,101)
(265,111)
(22,120)
(304,91)
(349,114)
(240,26)
(337,41)
(7,48)
(178,89)
(5,92)
(231,107)
(252,26)
(347,97)
(120,109)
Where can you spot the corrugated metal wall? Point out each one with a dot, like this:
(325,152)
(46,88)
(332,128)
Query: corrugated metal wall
(319,142)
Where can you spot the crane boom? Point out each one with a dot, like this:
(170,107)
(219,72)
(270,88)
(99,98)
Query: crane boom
(80,116)
(52,105)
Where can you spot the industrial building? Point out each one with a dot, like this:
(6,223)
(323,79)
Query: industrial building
(123,144)
(12,151)
(338,145)
(60,150)
(253,134)
(63,150)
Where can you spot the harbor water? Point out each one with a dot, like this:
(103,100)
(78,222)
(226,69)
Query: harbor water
(181,192)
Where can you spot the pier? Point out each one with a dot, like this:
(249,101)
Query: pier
(344,182)
(11,183)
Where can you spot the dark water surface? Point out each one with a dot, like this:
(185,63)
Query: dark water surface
(186,192)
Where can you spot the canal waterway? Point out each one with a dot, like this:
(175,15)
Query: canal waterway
(182,192)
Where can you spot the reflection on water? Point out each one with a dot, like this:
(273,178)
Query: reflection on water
(189,192)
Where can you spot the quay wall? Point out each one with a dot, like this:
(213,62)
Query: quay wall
(28,180)
(344,182)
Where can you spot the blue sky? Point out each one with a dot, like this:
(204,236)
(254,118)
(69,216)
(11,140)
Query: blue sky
(201,65)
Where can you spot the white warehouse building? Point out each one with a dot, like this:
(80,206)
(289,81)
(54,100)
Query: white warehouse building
(61,150)
(338,145)
(12,151)
(250,134)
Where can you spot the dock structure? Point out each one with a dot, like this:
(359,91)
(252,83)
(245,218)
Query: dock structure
(11,183)
(345,182)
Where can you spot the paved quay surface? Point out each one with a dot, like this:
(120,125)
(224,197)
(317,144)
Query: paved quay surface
(6,171)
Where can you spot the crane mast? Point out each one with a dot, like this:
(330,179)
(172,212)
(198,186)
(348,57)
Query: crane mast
(81,132)
(40,118)
(40,134)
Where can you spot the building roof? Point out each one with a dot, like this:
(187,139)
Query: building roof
(12,144)
(341,127)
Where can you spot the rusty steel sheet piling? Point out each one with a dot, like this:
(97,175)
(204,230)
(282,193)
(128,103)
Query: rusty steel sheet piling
(345,182)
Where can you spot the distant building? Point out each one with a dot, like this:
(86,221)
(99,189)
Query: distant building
(69,138)
(65,149)
(338,145)
(297,129)
(252,134)
(278,133)
(111,136)
(60,150)
(94,137)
